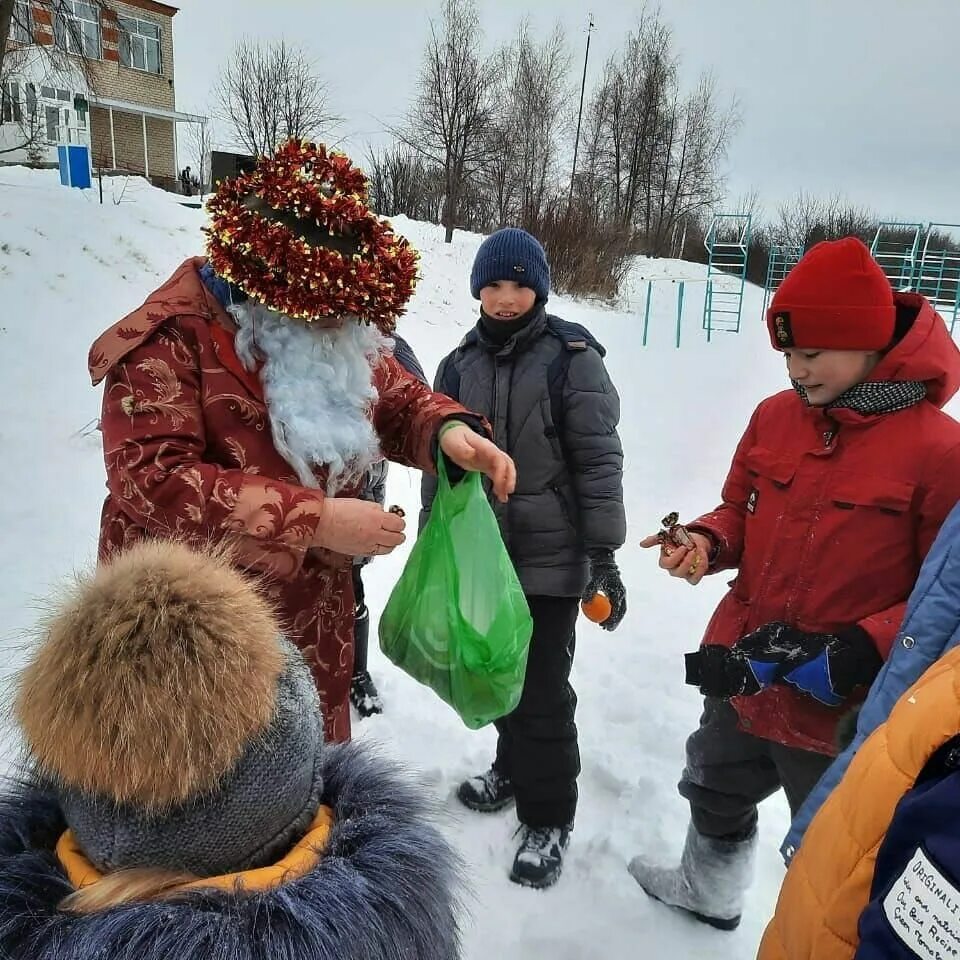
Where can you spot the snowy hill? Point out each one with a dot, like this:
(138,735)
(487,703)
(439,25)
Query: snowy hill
(70,267)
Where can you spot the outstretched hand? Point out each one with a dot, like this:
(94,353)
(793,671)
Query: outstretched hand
(468,450)
(690,563)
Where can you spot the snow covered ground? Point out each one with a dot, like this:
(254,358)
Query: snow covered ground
(70,267)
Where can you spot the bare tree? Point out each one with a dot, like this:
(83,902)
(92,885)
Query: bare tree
(268,93)
(652,155)
(532,99)
(6,19)
(807,219)
(71,60)
(71,52)
(628,118)
(692,151)
(448,121)
(200,143)
(402,182)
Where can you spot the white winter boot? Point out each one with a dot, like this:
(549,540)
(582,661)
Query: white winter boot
(709,883)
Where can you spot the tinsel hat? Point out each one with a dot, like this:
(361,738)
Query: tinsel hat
(296,234)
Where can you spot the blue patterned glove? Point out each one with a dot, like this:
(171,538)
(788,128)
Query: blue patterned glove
(845,661)
(825,666)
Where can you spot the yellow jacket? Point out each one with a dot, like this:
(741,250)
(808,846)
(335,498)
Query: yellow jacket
(828,883)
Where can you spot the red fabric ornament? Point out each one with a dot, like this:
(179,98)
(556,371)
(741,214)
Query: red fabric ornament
(272,264)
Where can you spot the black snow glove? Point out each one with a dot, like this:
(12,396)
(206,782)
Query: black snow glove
(605,579)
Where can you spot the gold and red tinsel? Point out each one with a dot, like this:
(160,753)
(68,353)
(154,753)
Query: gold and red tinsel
(271,264)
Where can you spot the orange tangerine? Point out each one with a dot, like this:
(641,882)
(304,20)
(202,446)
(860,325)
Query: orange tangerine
(597,608)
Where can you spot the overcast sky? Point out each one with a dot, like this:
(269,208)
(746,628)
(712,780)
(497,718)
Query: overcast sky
(856,96)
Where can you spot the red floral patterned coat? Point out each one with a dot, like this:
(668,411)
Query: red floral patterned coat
(189,454)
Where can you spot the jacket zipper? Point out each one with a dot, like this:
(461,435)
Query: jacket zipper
(564,508)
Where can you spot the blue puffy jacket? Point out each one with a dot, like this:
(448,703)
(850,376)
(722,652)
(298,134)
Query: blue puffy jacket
(930,627)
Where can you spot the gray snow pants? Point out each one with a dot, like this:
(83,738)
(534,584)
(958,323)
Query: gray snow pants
(728,772)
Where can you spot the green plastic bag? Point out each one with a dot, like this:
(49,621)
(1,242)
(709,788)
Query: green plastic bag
(457,620)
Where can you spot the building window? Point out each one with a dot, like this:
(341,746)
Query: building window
(77,28)
(140,44)
(10,108)
(52,115)
(21,23)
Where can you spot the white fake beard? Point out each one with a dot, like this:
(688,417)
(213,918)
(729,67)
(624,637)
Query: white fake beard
(318,386)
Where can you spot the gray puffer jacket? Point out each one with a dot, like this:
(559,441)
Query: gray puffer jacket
(553,408)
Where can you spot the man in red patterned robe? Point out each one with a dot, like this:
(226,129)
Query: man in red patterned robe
(245,399)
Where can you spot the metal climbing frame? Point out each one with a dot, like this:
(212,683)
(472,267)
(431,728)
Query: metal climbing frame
(938,271)
(783,258)
(895,247)
(727,243)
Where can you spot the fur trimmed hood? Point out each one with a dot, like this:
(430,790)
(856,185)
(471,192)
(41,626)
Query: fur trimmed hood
(385,889)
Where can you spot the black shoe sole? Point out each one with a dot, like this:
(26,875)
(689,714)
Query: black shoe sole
(533,884)
(716,922)
(487,807)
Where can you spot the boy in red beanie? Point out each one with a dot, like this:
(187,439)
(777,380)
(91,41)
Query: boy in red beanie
(836,492)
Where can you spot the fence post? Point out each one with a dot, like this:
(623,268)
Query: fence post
(646,312)
(679,309)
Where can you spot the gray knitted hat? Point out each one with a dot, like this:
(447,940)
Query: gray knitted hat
(180,730)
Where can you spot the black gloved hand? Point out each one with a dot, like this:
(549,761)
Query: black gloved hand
(827,666)
(605,579)
(718,672)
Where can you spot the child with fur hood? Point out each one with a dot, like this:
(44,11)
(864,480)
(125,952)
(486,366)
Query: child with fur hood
(836,493)
(179,800)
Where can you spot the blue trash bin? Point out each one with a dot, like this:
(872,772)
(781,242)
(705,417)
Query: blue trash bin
(74,165)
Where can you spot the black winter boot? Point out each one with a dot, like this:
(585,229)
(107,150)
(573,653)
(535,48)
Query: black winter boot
(539,859)
(363,691)
(488,792)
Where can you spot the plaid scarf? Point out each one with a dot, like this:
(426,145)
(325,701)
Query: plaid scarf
(875,397)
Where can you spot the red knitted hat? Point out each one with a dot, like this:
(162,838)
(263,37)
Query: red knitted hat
(835,298)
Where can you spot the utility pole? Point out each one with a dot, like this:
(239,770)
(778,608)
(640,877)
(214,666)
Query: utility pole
(583,87)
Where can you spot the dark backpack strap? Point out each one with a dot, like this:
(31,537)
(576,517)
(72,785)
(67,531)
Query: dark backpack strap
(450,384)
(575,339)
(407,359)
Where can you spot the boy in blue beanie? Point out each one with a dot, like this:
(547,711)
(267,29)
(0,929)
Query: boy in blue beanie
(542,384)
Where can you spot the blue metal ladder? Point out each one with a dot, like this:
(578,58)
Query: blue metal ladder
(937,275)
(895,247)
(783,258)
(727,243)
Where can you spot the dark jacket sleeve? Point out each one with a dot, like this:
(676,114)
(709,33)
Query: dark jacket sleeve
(591,412)
(407,358)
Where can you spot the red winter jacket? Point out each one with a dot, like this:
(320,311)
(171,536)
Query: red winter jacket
(828,516)
(189,454)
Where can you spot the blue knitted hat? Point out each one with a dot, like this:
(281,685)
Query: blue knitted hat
(511,254)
